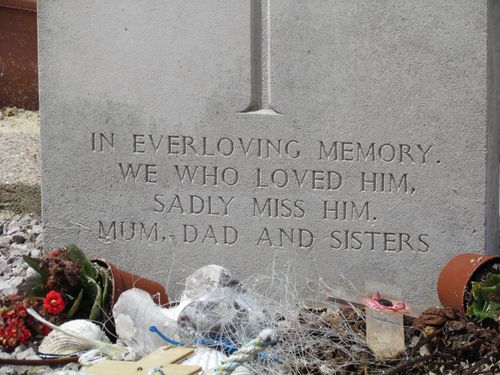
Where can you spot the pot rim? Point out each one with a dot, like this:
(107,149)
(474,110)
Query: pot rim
(117,280)
(471,264)
(28,5)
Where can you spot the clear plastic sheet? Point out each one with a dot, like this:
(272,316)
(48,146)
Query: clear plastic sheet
(134,313)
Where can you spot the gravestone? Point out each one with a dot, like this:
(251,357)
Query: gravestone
(332,140)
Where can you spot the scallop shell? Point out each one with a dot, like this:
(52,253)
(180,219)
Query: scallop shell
(58,343)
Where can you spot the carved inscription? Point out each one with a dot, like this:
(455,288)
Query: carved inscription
(201,187)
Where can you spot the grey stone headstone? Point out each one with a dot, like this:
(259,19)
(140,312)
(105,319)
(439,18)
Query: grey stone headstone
(331,140)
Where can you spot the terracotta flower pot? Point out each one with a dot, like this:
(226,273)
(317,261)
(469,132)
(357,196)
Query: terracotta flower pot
(123,280)
(454,279)
(18,54)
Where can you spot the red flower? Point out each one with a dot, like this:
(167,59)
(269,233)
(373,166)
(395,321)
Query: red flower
(53,302)
(11,331)
(55,252)
(21,311)
(46,330)
(25,336)
(15,326)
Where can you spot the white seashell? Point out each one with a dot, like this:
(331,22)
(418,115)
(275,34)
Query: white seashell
(58,343)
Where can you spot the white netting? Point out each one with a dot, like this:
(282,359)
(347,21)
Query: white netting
(311,340)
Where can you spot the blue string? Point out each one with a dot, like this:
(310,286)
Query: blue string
(226,346)
(154,329)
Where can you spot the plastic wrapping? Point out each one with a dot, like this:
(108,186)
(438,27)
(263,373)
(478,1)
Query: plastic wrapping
(214,311)
(206,280)
(134,313)
(221,310)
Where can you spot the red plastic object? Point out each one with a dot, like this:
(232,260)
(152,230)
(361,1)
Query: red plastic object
(18,54)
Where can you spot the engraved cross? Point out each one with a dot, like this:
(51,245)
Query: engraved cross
(260,59)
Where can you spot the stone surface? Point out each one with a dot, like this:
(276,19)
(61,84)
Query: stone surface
(375,158)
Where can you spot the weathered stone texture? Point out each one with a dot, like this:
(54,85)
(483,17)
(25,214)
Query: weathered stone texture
(394,92)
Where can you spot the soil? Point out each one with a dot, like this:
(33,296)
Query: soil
(449,343)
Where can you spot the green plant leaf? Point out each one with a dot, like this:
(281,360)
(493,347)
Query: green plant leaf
(106,286)
(38,291)
(88,270)
(493,279)
(480,313)
(32,286)
(75,254)
(96,309)
(36,264)
(483,305)
(75,306)
(32,262)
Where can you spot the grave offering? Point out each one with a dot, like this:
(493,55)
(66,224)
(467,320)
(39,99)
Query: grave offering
(333,140)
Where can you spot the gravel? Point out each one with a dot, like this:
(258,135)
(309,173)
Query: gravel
(19,238)
(21,235)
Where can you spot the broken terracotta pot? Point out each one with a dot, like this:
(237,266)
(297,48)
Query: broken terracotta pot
(123,280)
(454,280)
(18,54)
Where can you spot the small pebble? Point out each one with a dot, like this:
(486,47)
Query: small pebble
(5,355)
(36,228)
(26,219)
(6,270)
(13,229)
(16,281)
(30,272)
(5,240)
(18,238)
(19,269)
(17,250)
(18,263)
(7,370)
(39,242)
(10,111)
(21,352)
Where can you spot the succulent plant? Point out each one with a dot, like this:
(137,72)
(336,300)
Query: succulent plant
(485,301)
(85,286)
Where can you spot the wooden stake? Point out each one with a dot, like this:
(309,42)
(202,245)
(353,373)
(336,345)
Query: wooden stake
(385,333)
(384,330)
(163,358)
